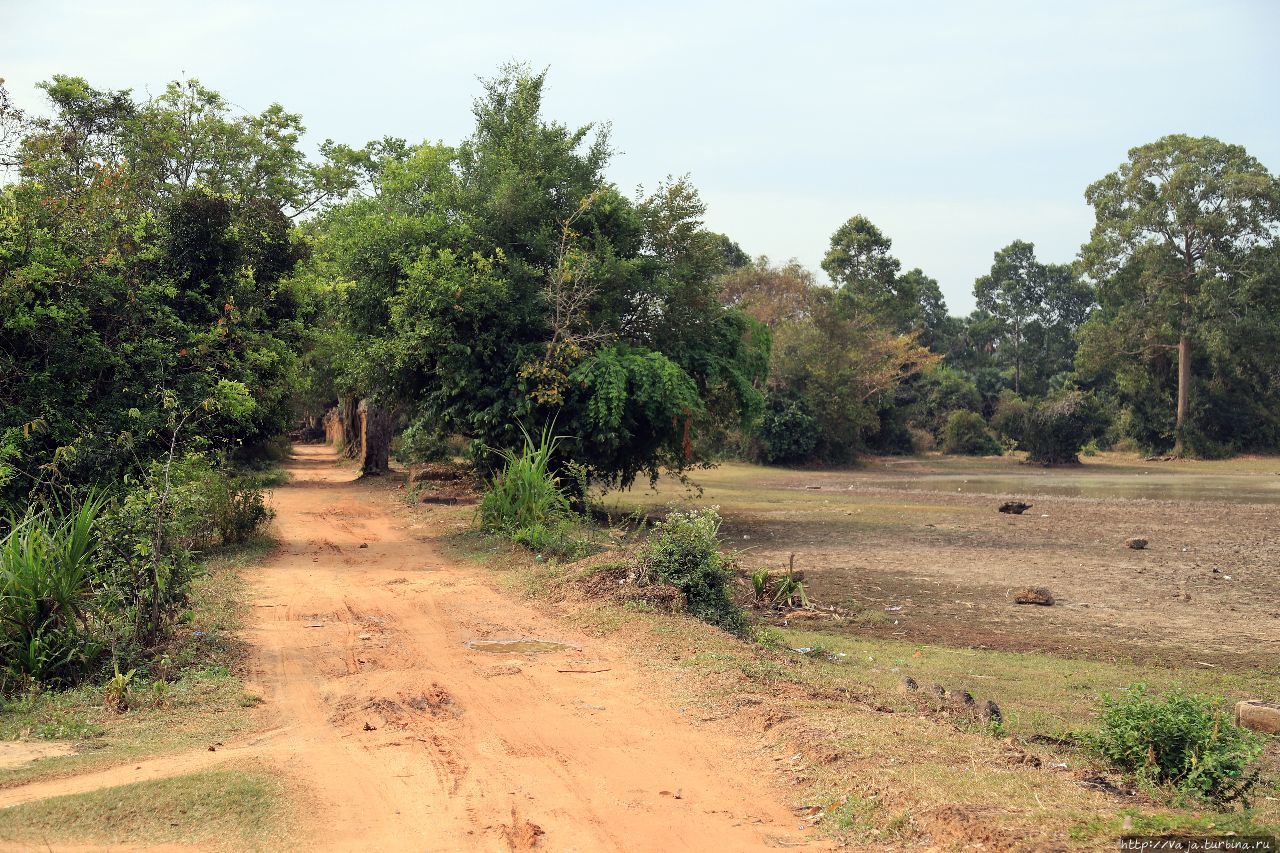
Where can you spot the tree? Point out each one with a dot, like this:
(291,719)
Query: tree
(771,294)
(1184,213)
(1028,312)
(129,286)
(859,260)
(842,367)
(1012,292)
(506,281)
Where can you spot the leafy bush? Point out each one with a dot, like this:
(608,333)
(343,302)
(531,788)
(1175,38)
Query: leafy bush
(1009,419)
(1057,428)
(46,577)
(966,433)
(922,441)
(421,443)
(525,492)
(788,432)
(236,507)
(1189,742)
(684,551)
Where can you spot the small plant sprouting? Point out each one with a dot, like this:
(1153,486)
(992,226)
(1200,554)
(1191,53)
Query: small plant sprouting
(115,694)
(761,580)
(791,587)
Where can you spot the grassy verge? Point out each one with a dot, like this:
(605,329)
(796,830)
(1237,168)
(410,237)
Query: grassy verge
(192,698)
(240,808)
(871,764)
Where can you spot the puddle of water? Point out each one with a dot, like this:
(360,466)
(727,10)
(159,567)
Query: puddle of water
(516,647)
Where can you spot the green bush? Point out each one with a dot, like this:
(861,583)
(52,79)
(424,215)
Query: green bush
(966,433)
(1189,742)
(525,502)
(788,432)
(684,551)
(46,590)
(1057,428)
(236,508)
(421,443)
(1009,419)
(525,492)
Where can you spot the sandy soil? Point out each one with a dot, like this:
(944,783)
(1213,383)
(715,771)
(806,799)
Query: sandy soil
(408,738)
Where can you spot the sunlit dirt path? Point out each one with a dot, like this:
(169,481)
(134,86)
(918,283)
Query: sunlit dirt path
(411,739)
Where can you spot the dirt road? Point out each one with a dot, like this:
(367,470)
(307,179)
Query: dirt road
(413,738)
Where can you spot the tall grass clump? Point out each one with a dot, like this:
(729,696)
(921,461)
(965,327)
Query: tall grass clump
(1188,742)
(524,502)
(684,551)
(46,591)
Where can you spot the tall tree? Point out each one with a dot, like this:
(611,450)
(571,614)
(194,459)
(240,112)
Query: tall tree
(131,287)
(1188,211)
(1033,309)
(507,280)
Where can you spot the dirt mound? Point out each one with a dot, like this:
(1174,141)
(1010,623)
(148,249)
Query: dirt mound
(612,576)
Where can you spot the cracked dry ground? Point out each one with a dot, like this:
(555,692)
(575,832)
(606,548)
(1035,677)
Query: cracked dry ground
(404,737)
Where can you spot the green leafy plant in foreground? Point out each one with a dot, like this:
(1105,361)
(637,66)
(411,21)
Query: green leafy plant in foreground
(524,502)
(46,567)
(1189,742)
(684,551)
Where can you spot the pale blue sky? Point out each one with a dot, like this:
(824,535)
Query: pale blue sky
(957,127)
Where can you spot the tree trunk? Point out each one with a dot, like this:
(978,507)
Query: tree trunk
(1184,392)
(1017,358)
(375,439)
(332,428)
(349,418)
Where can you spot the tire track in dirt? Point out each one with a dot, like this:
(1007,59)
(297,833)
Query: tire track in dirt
(409,739)
(412,740)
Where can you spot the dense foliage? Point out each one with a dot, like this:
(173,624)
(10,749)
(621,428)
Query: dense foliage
(180,285)
(684,552)
(1055,429)
(505,280)
(145,315)
(966,433)
(1188,742)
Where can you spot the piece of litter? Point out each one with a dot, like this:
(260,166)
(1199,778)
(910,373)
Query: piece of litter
(893,609)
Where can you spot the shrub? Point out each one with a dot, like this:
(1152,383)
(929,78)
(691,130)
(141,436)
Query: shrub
(922,441)
(420,443)
(1057,428)
(966,433)
(525,492)
(684,551)
(788,432)
(236,508)
(944,390)
(1009,419)
(1189,742)
(46,576)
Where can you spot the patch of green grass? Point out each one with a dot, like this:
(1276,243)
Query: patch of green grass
(1131,821)
(224,808)
(1041,694)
